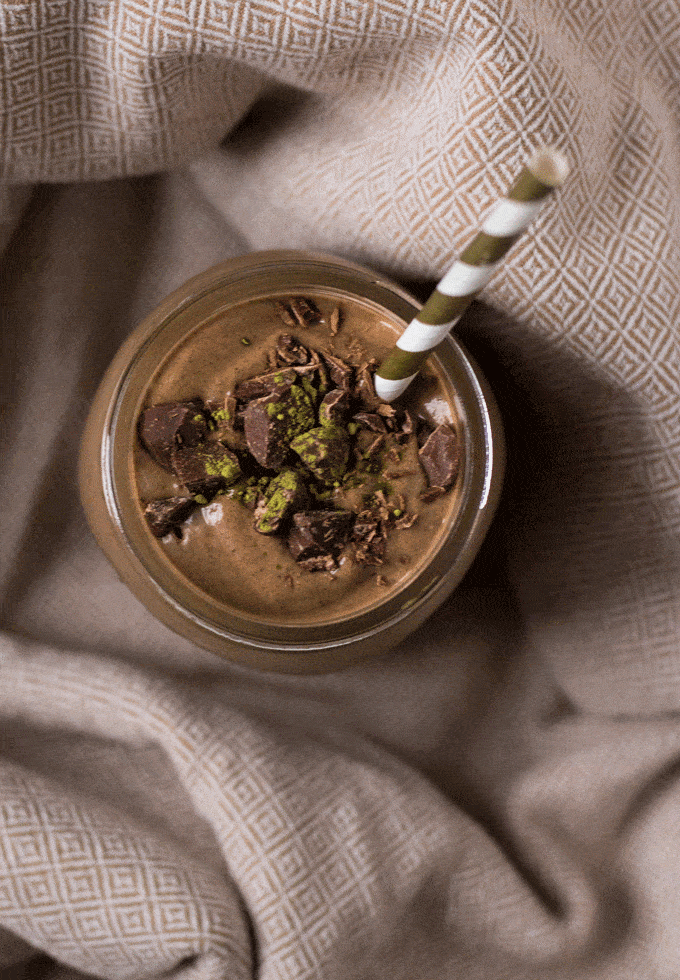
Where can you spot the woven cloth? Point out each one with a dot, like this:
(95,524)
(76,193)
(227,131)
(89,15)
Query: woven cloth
(498,798)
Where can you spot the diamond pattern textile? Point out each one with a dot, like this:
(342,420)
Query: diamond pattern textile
(497,799)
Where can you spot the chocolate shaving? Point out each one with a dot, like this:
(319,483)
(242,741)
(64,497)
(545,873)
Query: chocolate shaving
(335,321)
(431,493)
(341,373)
(298,311)
(289,350)
(371,420)
(364,387)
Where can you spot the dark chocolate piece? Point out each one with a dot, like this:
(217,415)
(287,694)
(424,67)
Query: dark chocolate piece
(286,493)
(440,456)
(272,422)
(205,469)
(264,384)
(162,428)
(325,451)
(334,407)
(166,516)
(319,534)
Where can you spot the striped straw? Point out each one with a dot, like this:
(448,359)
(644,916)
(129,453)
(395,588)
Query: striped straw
(545,170)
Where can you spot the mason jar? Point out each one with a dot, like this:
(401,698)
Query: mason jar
(260,611)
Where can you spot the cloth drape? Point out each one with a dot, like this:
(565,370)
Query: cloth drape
(498,798)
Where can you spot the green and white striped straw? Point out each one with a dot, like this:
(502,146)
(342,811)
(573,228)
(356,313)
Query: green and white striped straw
(545,170)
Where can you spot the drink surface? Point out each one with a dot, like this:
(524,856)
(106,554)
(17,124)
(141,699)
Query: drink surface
(218,548)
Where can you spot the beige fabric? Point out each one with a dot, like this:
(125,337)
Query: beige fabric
(498,799)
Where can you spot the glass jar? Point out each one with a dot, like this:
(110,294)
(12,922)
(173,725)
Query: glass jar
(111,498)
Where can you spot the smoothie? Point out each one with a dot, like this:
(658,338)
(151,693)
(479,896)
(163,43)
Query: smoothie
(271,477)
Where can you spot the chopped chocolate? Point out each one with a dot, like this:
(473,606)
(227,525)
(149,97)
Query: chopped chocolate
(320,563)
(285,313)
(298,311)
(225,425)
(364,387)
(164,427)
(386,410)
(281,445)
(440,456)
(289,350)
(431,493)
(334,407)
(336,321)
(405,521)
(407,427)
(264,384)
(424,429)
(205,469)
(369,538)
(325,451)
(371,420)
(286,493)
(341,373)
(166,516)
(272,422)
(319,534)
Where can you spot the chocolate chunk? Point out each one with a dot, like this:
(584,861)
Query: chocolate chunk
(264,384)
(286,493)
(272,422)
(440,456)
(341,373)
(325,451)
(319,534)
(334,407)
(205,469)
(165,516)
(162,428)
(289,350)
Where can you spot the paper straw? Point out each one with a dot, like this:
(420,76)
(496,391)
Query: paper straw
(545,170)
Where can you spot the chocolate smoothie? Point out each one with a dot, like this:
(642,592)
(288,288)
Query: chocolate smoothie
(271,476)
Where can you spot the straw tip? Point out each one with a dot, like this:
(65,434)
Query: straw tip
(549,165)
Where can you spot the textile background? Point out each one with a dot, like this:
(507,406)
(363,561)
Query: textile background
(498,798)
